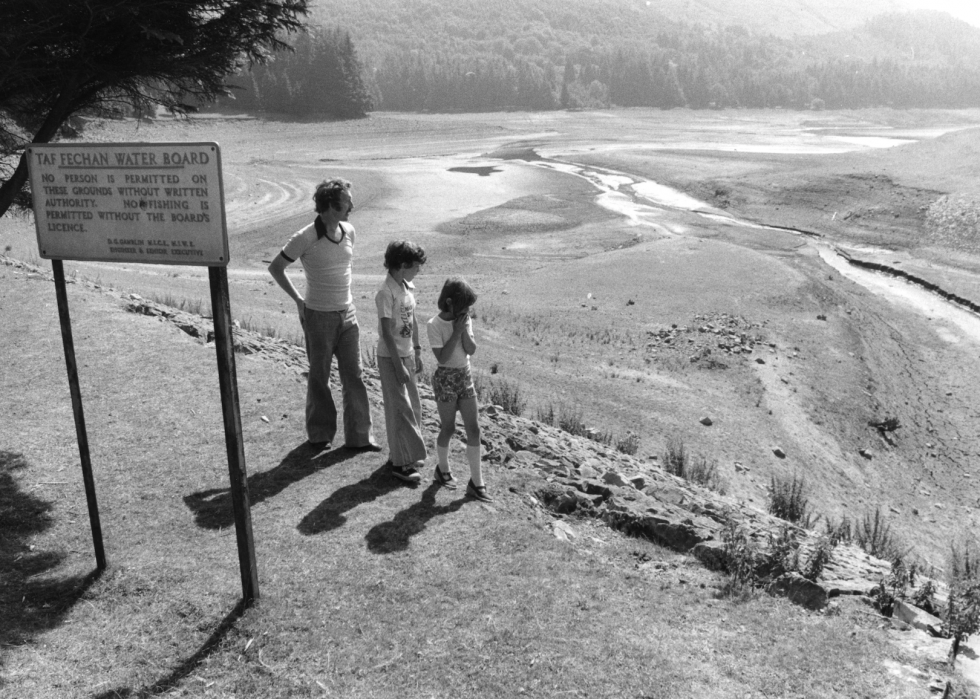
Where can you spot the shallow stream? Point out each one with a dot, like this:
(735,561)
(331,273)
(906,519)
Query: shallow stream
(668,211)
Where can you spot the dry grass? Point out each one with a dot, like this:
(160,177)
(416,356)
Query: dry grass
(369,589)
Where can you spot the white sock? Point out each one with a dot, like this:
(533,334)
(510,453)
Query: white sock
(473,457)
(443,453)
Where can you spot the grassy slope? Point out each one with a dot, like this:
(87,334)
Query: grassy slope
(368,588)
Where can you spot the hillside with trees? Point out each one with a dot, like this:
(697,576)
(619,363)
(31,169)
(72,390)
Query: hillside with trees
(321,75)
(424,55)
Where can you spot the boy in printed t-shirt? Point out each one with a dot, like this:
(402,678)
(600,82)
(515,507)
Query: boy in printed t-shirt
(400,359)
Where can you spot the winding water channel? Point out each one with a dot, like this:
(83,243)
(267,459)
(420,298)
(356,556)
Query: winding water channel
(650,204)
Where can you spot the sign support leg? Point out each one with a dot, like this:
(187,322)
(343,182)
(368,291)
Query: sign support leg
(228,380)
(76,404)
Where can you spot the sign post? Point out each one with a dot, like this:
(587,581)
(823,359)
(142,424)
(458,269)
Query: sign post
(152,203)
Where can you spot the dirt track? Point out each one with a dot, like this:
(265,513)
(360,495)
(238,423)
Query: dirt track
(574,298)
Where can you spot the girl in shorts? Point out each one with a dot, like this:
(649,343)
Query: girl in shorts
(451,338)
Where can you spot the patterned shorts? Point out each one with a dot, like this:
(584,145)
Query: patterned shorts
(450,385)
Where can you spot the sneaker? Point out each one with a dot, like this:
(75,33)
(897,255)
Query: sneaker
(407,473)
(318,447)
(479,492)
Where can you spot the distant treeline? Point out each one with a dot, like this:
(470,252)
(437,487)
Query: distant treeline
(322,75)
(929,60)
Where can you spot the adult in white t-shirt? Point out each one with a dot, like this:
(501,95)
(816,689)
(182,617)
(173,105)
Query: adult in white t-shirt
(326,250)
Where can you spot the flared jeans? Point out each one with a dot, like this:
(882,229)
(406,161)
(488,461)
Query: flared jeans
(330,333)
(403,412)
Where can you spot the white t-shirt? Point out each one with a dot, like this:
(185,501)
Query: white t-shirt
(396,300)
(439,332)
(327,265)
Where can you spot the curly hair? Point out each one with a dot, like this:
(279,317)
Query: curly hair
(401,253)
(456,294)
(327,193)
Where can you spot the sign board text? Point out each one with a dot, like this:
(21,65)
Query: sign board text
(156,203)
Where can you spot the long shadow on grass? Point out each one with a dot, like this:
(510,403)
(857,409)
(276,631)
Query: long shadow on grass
(328,514)
(213,509)
(165,684)
(389,537)
(29,603)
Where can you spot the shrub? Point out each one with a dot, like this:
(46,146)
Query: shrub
(963,562)
(820,556)
(507,395)
(784,552)
(698,470)
(893,587)
(874,535)
(741,556)
(961,618)
(570,419)
(499,391)
(629,443)
(787,500)
(705,473)
(674,457)
(747,566)
(925,597)
(839,532)
(545,414)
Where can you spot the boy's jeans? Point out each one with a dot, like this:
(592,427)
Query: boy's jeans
(403,412)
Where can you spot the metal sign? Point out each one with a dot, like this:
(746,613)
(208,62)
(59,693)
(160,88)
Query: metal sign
(156,203)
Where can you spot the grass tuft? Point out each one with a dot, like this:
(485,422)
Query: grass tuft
(699,469)
(788,500)
(628,443)
(500,391)
(194,306)
(874,535)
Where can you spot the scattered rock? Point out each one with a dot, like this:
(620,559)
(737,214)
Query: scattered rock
(917,618)
(866,453)
(821,317)
(711,554)
(799,590)
(706,421)
(779,452)
(760,360)
(615,478)
(563,531)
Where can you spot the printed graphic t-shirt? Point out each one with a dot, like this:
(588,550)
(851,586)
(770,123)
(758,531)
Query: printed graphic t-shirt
(396,300)
(439,332)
